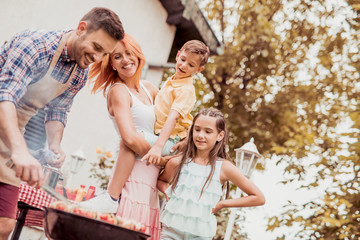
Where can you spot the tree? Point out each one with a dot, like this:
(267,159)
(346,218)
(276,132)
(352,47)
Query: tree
(288,77)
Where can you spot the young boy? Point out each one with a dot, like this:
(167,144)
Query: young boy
(173,105)
(176,99)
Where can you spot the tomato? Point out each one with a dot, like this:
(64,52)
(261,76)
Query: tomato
(78,210)
(104,216)
(60,207)
(111,220)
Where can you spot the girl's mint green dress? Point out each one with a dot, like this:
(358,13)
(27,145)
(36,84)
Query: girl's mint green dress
(185,211)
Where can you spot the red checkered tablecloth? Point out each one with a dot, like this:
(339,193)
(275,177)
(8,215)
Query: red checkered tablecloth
(34,197)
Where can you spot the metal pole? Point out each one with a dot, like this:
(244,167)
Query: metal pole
(231,221)
(230,224)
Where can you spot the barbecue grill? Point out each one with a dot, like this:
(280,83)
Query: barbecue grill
(60,225)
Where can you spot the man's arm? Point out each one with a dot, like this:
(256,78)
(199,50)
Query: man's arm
(27,167)
(54,133)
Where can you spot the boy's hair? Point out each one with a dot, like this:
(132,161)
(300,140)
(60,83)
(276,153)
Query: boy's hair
(218,151)
(107,76)
(106,19)
(198,47)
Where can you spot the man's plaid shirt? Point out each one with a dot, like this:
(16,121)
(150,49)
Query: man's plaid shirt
(26,58)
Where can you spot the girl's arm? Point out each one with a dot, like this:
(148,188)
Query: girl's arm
(168,174)
(229,172)
(154,155)
(119,101)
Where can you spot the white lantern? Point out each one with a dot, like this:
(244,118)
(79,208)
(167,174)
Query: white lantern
(77,160)
(246,159)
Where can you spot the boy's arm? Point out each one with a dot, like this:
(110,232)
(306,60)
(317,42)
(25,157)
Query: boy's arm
(154,155)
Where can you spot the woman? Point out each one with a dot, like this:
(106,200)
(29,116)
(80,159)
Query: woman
(130,106)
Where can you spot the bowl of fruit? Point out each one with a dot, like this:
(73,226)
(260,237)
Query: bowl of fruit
(73,223)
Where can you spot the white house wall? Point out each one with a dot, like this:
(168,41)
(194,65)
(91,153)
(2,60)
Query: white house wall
(88,123)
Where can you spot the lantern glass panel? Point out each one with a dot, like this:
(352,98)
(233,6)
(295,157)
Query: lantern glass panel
(76,163)
(253,165)
(249,163)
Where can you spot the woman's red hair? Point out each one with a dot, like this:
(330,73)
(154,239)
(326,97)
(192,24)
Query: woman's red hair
(106,76)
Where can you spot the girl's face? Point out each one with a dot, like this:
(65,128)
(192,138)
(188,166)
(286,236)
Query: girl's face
(124,62)
(205,133)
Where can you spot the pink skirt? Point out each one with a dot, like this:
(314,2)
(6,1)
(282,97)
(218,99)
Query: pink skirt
(140,199)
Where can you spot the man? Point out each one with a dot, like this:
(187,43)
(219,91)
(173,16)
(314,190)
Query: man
(44,69)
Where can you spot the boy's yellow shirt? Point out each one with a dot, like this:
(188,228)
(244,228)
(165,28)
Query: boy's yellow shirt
(179,95)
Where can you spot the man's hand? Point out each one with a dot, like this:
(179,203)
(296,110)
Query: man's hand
(27,168)
(60,156)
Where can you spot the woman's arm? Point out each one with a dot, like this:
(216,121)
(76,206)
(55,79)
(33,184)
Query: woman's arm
(229,172)
(119,102)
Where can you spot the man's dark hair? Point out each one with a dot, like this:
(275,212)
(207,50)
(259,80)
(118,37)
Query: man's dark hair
(106,19)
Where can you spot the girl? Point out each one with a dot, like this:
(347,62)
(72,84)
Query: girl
(197,178)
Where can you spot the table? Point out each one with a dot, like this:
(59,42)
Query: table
(30,204)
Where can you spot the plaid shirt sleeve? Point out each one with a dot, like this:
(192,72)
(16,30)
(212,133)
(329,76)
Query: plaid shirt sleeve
(19,60)
(26,58)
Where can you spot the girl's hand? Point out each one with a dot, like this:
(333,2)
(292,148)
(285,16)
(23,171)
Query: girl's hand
(163,160)
(218,207)
(166,197)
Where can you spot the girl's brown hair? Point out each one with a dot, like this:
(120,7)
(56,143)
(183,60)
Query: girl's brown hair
(107,76)
(218,151)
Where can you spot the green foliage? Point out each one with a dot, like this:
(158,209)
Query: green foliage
(101,170)
(288,76)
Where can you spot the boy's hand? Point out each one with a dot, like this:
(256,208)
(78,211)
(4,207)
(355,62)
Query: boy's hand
(180,146)
(153,156)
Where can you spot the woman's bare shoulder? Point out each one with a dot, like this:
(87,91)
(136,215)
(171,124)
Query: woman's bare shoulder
(149,85)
